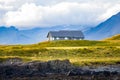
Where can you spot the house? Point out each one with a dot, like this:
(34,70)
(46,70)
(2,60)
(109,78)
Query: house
(65,35)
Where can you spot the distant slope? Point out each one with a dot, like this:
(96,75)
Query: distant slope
(106,29)
(116,37)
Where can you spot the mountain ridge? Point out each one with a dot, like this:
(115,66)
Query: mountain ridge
(13,35)
(105,29)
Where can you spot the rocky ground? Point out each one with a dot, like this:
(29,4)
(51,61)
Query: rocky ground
(15,69)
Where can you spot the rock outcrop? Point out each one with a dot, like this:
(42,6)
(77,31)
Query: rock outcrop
(16,68)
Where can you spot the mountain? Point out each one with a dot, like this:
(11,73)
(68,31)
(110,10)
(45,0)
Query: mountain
(106,29)
(12,35)
(116,37)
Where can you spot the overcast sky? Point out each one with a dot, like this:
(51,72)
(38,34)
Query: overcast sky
(42,13)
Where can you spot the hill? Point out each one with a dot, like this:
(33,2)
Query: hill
(77,43)
(105,29)
(90,52)
(116,37)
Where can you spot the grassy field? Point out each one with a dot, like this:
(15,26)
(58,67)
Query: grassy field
(79,43)
(92,52)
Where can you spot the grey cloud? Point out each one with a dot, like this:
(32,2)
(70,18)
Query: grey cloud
(56,12)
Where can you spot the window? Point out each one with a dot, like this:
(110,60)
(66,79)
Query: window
(57,38)
(66,38)
(75,39)
(53,38)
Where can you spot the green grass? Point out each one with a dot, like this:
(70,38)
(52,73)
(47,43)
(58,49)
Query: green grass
(85,56)
(77,43)
(93,52)
(64,43)
(116,37)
